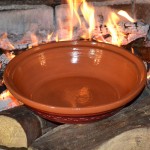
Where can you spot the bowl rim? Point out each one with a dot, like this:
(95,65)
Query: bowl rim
(82,110)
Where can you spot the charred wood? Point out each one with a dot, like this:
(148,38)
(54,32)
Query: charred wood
(140,48)
(22,26)
(128,32)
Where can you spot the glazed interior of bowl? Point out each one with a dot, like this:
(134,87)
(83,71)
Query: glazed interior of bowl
(76,77)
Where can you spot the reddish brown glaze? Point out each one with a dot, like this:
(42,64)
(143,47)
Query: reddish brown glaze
(76,78)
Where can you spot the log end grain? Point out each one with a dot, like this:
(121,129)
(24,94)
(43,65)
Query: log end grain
(11,132)
(135,139)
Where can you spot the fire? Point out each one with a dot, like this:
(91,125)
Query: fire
(56,38)
(132,50)
(78,21)
(8,100)
(86,24)
(10,55)
(126,15)
(4,95)
(88,13)
(70,26)
(34,40)
(83,14)
(113,28)
(49,36)
(5,43)
(148,76)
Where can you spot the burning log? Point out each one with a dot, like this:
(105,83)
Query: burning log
(27,30)
(106,20)
(129,128)
(130,32)
(7,101)
(19,127)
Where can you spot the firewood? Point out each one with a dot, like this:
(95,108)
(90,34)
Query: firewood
(130,31)
(19,127)
(128,129)
(19,33)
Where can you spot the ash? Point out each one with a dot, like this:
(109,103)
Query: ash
(4,61)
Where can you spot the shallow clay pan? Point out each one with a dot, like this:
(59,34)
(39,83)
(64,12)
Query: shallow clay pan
(75,81)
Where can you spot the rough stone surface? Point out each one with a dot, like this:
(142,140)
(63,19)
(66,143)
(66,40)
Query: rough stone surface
(142,12)
(20,21)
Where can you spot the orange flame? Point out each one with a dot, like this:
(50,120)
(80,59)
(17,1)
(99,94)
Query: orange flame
(49,36)
(65,32)
(4,94)
(7,95)
(132,50)
(112,26)
(34,39)
(70,23)
(5,43)
(87,22)
(126,15)
(88,13)
(56,38)
(10,55)
(82,14)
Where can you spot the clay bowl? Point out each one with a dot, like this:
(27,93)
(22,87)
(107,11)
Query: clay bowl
(75,81)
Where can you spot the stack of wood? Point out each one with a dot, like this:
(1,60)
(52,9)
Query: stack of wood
(20,127)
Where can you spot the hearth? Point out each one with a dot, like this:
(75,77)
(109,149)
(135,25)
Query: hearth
(25,24)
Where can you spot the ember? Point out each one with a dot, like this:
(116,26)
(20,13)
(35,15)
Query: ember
(7,100)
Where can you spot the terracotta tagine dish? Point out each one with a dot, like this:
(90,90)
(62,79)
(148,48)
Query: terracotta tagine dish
(75,81)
